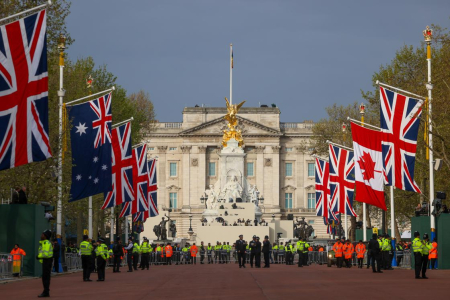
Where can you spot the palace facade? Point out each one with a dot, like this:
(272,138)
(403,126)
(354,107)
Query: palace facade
(277,161)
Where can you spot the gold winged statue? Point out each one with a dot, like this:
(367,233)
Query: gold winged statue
(231,117)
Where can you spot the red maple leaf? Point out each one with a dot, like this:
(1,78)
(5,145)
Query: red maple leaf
(367,166)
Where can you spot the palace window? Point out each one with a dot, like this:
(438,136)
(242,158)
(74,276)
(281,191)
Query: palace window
(151,148)
(173,200)
(173,169)
(288,149)
(250,170)
(311,200)
(172,148)
(288,200)
(212,169)
(310,169)
(288,169)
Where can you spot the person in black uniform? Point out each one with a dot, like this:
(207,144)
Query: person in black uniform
(240,248)
(252,247)
(118,254)
(56,252)
(129,249)
(375,253)
(266,252)
(258,253)
(46,258)
(202,253)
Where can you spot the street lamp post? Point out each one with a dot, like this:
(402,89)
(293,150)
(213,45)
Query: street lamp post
(61,93)
(428,35)
(273,217)
(190,223)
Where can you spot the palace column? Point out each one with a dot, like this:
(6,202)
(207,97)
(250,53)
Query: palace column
(275,201)
(185,172)
(201,175)
(161,174)
(259,169)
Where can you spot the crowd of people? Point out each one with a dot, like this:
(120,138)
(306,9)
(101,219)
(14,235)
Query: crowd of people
(95,255)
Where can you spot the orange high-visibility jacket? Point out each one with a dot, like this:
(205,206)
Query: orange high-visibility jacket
(348,250)
(433,251)
(16,258)
(321,249)
(338,249)
(194,251)
(169,251)
(360,250)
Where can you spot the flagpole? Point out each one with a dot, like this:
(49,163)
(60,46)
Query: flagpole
(231,73)
(362,111)
(126,228)
(49,2)
(400,90)
(123,122)
(345,208)
(89,86)
(111,235)
(92,95)
(61,93)
(394,261)
(428,34)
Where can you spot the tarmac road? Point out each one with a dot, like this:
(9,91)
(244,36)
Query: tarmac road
(228,281)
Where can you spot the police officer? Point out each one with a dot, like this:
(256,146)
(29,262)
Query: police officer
(300,247)
(425,251)
(136,252)
(209,253)
(258,253)
(129,249)
(305,252)
(288,253)
(118,254)
(45,257)
(217,248)
(145,249)
(202,253)
(386,249)
(275,252)
(102,256)
(417,247)
(86,251)
(252,247)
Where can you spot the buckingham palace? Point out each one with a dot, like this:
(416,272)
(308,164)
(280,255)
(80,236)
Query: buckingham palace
(277,161)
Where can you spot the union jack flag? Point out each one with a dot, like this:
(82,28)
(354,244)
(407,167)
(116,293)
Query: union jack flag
(24,92)
(152,194)
(140,183)
(102,109)
(342,180)
(122,168)
(399,119)
(322,188)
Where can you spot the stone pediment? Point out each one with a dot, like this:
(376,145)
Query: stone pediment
(215,127)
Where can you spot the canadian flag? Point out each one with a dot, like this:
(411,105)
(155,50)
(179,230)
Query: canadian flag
(369,181)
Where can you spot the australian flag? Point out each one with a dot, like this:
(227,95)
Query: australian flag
(91,147)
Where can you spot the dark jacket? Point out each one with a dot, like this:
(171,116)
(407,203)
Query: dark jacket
(118,250)
(266,247)
(252,246)
(374,247)
(258,247)
(56,249)
(23,197)
(15,198)
(240,246)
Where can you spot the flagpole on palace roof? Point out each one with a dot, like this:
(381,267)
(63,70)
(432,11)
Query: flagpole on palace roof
(231,73)
(428,34)
(89,82)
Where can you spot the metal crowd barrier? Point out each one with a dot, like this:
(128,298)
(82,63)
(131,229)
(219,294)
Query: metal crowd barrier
(403,258)
(73,262)
(11,265)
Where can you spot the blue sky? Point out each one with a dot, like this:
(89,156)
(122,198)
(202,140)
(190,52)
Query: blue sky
(300,55)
